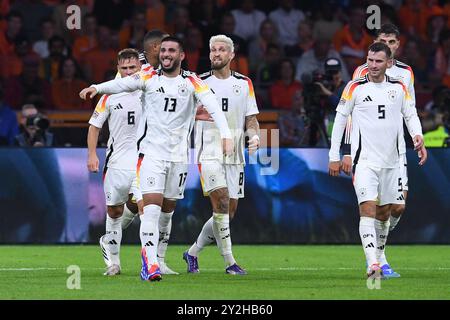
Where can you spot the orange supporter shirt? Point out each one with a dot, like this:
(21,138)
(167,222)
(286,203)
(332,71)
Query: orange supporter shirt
(98,62)
(156,18)
(65,95)
(281,95)
(6,47)
(240,64)
(10,66)
(344,38)
(82,45)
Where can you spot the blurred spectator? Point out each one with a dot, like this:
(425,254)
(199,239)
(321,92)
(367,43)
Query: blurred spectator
(132,36)
(8,123)
(66,88)
(35,126)
(28,87)
(12,64)
(267,71)
(352,40)
(305,42)
(88,40)
(436,119)
(113,14)
(100,59)
(33,12)
(240,61)
(205,13)
(257,48)
(409,16)
(282,92)
(326,26)
(286,19)
(193,45)
(248,20)
(412,56)
(12,31)
(436,23)
(294,125)
(49,67)
(442,58)
(155,14)
(47,32)
(314,59)
(180,23)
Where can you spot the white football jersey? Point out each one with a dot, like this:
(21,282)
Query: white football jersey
(236,96)
(399,70)
(377,110)
(123,112)
(170,108)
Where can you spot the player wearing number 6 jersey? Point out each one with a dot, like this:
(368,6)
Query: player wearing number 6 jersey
(223,177)
(123,112)
(377,104)
(171,96)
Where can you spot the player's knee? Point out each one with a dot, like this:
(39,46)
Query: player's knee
(132,206)
(398,209)
(115,211)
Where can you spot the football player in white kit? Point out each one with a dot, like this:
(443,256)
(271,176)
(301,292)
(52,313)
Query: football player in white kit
(223,177)
(376,103)
(171,96)
(390,35)
(123,112)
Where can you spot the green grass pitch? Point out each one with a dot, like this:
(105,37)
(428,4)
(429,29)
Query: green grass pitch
(275,272)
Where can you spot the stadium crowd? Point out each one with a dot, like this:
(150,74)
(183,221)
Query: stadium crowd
(299,54)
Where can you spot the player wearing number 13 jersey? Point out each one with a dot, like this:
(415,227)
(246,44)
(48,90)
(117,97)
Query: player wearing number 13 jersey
(171,96)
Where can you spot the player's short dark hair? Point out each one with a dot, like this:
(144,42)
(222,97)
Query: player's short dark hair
(174,39)
(154,35)
(389,28)
(380,46)
(128,53)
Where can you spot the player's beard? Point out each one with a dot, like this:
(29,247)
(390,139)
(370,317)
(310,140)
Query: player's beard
(220,65)
(175,64)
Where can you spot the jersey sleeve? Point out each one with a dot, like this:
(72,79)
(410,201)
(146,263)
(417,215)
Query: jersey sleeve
(131,83)
(409,112)
(347,102)
(101,112)
(252,107)
(203,93)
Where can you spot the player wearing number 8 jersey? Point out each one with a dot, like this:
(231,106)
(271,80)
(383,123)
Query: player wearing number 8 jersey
(123,112)
(171,96)
(222,177)
(376,103)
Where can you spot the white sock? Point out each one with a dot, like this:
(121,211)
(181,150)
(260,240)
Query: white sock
(368,238)
(221,229)
(206,237)
(165,225)
(393,221)
(113,237)
(127,217)
(382,231)
(149,231)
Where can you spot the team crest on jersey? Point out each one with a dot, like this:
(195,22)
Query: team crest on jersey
(237,90)
(182,90)
(392,94)
(151,181)
(108,196)
(212,179)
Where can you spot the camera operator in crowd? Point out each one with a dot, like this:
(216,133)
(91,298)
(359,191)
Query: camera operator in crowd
(35,129)
(322,91)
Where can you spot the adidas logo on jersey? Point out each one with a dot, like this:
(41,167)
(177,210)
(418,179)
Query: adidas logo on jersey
(161,90)
(119,106)
(370,245)
(402,197)
(368,98)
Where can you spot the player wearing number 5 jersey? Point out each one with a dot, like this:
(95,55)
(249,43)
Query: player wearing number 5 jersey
(377,104)
(123,112)
(390,35)
(170,96)
(223,177)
